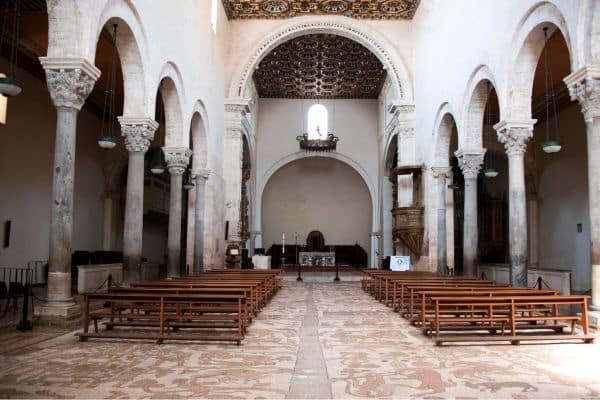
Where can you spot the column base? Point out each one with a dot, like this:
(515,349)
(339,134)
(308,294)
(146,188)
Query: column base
(594,319)
(60,313)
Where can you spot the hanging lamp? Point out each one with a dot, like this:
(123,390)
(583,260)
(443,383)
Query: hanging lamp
(10,85)
(550,145)
(157,165)
(107,139)
(490,171)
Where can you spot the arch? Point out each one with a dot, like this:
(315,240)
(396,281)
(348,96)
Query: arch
(515,101)
(476,98)
(133,53)
(199,129)
(300,154)
(171,87)
(337,25)
(442,135)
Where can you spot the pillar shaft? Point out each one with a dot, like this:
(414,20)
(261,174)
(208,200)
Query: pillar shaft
(441,176)
(177,159)
(69,83)
(61,220)
(138,132)
(470,162)
(201,178)
(533,217)
(584,86)
(514,136)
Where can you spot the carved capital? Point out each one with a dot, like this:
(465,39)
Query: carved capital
(470,161)
(584,86)
(203,174)
(70,81)
(177,159)
(233,133)
(514,135)
(441,172)
(138,132)
(406,132)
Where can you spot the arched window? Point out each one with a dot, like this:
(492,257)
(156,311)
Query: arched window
(317,122)
(214,15)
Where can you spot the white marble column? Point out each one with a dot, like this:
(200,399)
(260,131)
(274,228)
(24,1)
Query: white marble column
(177,160)
(236,125)
(201,178)
(441,175)
(110,201)
(138,132)
(514,136)
(584,86)
(69,82)
(470,162)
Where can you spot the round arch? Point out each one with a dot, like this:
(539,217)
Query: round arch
(133,53)
(476,98)
(171,86)
(299,155)
(442,135)
(337,25)
(515,99)
(199,128)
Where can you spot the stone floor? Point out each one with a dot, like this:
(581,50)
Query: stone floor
(314,340)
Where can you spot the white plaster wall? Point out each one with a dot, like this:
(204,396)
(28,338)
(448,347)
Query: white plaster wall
(317,194)
(281,120)
(563,194)
(26,159)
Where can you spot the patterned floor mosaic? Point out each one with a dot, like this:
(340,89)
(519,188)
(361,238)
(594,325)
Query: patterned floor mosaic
(366,351)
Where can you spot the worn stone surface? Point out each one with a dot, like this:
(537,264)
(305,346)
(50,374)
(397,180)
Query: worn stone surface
(201,178)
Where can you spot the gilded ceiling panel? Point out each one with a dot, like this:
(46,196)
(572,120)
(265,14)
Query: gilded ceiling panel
(320,66)
(370,9)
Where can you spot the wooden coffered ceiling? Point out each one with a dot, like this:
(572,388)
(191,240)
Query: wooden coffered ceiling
(320,66)
(370,9)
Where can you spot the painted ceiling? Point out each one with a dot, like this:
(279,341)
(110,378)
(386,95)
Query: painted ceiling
(369,9)
(320,66)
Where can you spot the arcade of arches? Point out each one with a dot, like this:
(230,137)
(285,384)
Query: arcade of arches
(231,129)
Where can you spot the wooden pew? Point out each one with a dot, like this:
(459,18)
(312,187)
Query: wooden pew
(514,313)
(204,313)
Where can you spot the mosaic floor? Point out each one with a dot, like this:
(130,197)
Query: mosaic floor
(314,340)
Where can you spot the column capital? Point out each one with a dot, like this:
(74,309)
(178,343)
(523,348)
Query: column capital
(470,161)
(514,135)
(441,172)
(203,173)
(69,80)
(584,86)
(138,132)
(177,159)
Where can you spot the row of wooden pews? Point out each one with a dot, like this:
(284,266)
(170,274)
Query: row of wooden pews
(453,309)
(214,305)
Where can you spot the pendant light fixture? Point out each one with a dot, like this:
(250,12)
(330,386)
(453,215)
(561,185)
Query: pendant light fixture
(490,171)
(10,85)
(550,145)
(157,165)
(107,139)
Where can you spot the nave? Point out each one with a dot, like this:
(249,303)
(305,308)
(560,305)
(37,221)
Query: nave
(313,340)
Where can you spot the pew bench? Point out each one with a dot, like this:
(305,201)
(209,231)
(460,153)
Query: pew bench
(515,314)
(199,317)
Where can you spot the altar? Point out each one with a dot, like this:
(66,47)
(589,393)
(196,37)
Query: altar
(322,258)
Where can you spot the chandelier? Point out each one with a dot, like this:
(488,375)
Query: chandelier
(107,139)
(551,145)
(322,143)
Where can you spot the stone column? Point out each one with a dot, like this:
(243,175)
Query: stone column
(584,85)
(177,159)
(236,125)
(514,136)
(138,132)
(201,178)
(69,82)
(470,162)
(110,200)
(441,174)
